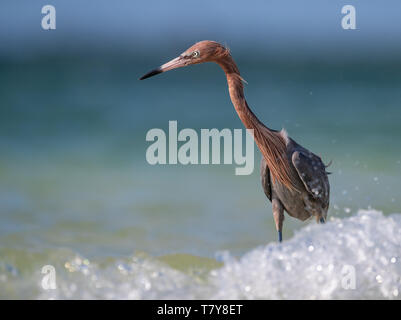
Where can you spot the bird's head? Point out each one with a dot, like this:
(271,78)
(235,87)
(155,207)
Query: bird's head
(203,51)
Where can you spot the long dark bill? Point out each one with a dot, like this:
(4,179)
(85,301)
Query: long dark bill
(151,74)
(173,64)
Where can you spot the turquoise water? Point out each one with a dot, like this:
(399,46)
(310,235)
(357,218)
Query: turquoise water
(76,191)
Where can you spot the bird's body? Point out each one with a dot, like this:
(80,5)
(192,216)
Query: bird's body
(310,177)
(293,178)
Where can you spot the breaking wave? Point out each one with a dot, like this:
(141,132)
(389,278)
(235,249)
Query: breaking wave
(352,258)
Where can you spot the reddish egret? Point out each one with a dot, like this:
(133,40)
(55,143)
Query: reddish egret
(293,178)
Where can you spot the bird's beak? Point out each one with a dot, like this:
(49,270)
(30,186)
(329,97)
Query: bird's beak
(173,64)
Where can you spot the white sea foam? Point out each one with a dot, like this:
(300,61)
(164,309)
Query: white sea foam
(311,264)
(308,266)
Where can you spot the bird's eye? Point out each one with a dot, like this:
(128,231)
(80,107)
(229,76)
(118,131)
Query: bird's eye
(195,54)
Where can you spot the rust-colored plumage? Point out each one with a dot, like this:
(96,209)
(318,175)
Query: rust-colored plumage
(270,143)
(293,178)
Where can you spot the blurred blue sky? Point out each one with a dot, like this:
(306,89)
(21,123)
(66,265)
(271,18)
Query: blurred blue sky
(311,27)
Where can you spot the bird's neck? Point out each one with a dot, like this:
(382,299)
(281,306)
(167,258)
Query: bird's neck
(236,90)
(270,142)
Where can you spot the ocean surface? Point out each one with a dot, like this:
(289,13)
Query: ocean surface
(77,193)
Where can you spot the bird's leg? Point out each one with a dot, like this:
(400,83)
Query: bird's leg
(278,214)
(319,217)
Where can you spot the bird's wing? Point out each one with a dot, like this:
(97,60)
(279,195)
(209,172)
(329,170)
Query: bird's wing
(265,175)
(312,172)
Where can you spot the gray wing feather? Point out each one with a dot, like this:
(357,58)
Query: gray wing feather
(312,172)
(265,175)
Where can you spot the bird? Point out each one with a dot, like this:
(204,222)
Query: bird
(293,178)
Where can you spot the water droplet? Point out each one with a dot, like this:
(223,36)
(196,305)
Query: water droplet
(383,260)
(310,248)
(147,285)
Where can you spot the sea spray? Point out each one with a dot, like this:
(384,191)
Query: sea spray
(317,263)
